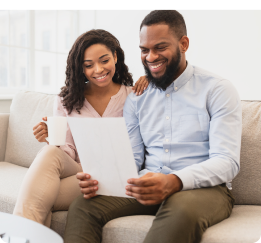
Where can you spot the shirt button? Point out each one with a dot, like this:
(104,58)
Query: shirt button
(167,95)
(176,88)
(167,117)
(167,140)
(166,150)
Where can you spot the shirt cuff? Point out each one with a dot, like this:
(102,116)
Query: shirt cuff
(187,179)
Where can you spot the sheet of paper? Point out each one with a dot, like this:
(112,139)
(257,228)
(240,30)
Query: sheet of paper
(105,152)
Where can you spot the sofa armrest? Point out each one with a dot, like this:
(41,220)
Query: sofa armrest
(4,120)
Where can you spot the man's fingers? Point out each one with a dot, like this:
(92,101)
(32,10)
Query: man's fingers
(140,190)
(143,181)
(141,196)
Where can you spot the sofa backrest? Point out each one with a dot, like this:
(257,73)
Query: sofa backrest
(27,109)
(247,184)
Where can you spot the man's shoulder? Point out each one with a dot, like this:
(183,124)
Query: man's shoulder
(204,74)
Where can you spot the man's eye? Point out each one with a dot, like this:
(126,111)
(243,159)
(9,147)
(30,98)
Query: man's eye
(144,50)
(161,48)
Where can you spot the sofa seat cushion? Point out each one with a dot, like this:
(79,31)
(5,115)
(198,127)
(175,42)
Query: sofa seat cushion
(243,226)
(11,177)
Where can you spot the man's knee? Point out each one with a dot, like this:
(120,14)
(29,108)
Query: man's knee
(85,209)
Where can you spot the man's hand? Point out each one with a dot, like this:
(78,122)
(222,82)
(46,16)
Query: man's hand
(153,188)
(88,187)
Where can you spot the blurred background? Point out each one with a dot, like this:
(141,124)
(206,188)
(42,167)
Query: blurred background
(34,46)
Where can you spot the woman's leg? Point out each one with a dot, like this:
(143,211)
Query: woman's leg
(42,183)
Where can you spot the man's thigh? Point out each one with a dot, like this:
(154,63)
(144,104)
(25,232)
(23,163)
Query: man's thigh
(87,217)
(185,215)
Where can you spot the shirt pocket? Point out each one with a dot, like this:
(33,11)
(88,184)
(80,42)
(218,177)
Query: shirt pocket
(193,128)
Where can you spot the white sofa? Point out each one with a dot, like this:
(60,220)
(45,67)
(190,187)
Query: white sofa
(18,147)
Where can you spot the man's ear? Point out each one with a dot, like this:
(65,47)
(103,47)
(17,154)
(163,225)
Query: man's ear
(184,44)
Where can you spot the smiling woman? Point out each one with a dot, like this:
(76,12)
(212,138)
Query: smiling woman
(97,85)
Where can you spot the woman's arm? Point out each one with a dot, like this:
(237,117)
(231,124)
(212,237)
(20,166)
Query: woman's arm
(69,146)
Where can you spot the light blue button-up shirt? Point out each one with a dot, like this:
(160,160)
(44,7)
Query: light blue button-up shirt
(192,130)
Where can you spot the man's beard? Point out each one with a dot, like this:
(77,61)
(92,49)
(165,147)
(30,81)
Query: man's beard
(168,77)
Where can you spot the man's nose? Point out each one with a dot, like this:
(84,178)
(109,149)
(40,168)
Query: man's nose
(152,56)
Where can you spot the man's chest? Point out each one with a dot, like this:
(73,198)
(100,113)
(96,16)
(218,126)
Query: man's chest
(174,119)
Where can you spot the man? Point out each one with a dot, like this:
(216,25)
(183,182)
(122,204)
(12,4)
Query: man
(189,123)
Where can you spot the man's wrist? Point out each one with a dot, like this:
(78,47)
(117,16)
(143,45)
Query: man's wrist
(175,182)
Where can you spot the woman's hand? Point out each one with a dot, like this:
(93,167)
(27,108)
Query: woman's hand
(40,131)
(88,187)
(140,85)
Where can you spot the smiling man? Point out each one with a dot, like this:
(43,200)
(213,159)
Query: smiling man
(187,125)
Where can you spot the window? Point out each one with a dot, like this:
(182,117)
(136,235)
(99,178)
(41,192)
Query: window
(33,49)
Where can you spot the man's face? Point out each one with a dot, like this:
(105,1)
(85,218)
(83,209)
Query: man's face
(160,54)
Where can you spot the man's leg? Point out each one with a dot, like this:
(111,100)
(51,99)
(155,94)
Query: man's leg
(86,217)
(185,215)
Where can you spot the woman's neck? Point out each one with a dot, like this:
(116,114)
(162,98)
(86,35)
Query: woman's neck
(94,90)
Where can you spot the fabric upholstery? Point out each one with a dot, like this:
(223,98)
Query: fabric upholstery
(11,177)
(247,184)
(4,118)
(27,109)
(243,226)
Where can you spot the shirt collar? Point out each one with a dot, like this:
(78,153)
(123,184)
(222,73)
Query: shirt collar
(182,79)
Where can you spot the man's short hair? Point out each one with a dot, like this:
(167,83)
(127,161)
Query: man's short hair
(172,18)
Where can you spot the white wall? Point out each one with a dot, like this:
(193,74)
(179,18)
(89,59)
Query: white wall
(227,43)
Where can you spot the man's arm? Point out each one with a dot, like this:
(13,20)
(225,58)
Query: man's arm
(152,188)
(133,128)
(225,130)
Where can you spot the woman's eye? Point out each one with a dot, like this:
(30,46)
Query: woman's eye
(105,61)
(88,66)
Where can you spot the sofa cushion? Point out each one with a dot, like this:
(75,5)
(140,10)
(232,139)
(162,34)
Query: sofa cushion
(247,184)
(11,177)
(27,109)
(243,226)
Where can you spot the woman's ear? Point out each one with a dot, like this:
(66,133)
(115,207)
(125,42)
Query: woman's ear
(115,57)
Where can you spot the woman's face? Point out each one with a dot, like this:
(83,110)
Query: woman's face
(99,65)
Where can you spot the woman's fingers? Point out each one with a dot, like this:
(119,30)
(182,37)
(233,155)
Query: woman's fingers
(88,196)
(88,183)
(136,86)
(41,126)
(142,84)
(82,176)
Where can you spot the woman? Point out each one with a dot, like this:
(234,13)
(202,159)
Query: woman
(97,84)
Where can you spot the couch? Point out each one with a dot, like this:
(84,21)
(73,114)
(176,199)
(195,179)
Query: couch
(18,148)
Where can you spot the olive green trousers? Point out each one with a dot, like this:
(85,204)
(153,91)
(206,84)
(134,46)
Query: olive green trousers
(182,218)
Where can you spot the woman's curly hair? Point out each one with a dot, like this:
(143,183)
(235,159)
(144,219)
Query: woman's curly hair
(73,92)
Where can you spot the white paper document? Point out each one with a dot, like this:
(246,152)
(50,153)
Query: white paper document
(105,152)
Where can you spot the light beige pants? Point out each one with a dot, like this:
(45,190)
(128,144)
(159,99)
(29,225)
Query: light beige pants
(50,184)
